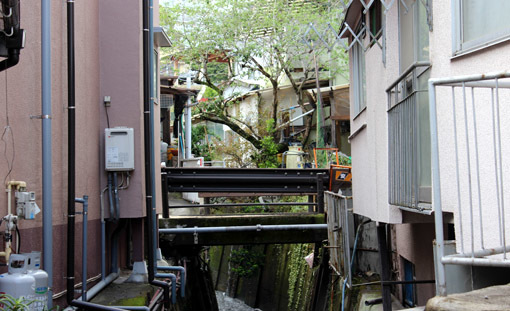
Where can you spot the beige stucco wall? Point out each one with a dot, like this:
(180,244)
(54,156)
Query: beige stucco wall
(21,97)
(108,42)
(121,78)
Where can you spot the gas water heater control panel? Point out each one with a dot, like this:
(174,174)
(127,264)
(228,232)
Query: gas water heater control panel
(119,149)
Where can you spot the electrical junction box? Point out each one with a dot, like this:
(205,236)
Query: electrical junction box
(119,149)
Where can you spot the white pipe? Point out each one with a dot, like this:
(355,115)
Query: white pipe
(187,113)
(436,192)
(9,209)
(295,119)
(474,262)
(244,228)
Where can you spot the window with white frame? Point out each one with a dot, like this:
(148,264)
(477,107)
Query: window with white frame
(358,78)
(478,24)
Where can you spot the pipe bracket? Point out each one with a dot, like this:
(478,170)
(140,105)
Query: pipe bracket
(195,236)
(44,116)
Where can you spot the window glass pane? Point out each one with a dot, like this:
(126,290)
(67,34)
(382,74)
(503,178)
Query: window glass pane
(414,33)
(359,78)
(488,18)
(406,34)
(423,33)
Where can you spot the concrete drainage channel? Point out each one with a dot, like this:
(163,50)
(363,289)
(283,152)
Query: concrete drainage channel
(226,303)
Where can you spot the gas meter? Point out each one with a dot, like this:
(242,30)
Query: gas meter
(25,204)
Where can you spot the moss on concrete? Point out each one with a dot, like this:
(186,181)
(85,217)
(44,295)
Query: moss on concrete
(135,301)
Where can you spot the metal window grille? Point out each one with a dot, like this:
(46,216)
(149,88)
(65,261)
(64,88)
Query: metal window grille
(470,149)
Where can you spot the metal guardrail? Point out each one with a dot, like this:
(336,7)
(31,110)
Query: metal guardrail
(470,143)
(339,234)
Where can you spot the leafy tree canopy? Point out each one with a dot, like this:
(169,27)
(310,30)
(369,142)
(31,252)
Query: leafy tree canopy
(230,40)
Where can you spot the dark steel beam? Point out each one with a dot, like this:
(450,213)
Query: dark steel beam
(244,180)
(220,205)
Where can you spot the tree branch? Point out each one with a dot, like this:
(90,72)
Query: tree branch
(233,126)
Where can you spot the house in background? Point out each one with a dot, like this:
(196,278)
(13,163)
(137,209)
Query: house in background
(109,94)
(253,108)
(448,187)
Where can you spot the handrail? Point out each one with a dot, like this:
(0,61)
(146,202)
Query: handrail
(407,72)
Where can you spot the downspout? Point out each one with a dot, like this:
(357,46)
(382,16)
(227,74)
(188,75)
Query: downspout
(71,212)
(148,150)
(47,199)
(71,124)
(150,50)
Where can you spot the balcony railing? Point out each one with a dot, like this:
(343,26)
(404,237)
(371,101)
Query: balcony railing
(407,149)
(470,164)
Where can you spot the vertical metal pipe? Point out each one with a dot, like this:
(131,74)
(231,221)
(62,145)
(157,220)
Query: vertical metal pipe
(47,183)
(173,279)
(480,216)
(385,266)
(501,172)
(399,155)
(417,150)
(390,145)
(70,151)
(103,240)
(496,165)
(116,197)
(164,194)
(320,193)
(457,170)
(149,150)
(147,143)
(182,270)
(187,113)
(436,192)
(468,156)
(407,152)
(152,83)
(85,202)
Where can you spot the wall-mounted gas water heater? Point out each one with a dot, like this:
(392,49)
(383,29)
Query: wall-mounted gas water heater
(119,149)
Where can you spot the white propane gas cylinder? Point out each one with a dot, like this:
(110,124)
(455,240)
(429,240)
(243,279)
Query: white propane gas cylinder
(17,283)
(41,281)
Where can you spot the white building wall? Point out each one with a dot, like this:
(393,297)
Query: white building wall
(492,59)
(370,147)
